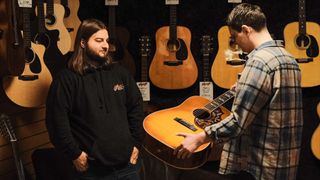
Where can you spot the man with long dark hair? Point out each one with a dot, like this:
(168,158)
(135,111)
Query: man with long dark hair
(94,110)
(262,135)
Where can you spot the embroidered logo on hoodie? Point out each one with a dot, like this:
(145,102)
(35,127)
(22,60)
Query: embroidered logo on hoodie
(118,87)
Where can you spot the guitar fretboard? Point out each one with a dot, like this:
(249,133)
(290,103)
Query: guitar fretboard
(302,17)
(220,100)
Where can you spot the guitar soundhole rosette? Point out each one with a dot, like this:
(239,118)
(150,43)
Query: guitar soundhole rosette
(203,118)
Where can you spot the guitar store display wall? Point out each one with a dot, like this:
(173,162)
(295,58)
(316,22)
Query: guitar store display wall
(132,22)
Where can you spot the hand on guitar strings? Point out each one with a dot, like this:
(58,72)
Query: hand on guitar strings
(190,144)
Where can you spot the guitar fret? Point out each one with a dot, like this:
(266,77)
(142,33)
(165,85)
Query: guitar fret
(173,22)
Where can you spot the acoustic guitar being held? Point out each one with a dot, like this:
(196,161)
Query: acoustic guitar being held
(192,116)
(315,139)
(173,65)
(302,41)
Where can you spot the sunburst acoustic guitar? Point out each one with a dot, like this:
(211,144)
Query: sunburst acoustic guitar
(173,65)
(30,88)
(229,60)
(302,41)
(315,139)
(192,116)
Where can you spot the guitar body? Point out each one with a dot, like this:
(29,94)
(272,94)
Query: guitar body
(223,74)
(172,76)
(11,57)
(161,138)
(72,22)
(64,42)
(315,139)
(310,73)
(126,58)
(29,93)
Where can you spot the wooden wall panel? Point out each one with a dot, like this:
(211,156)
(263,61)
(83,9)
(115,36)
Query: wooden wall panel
(30,130)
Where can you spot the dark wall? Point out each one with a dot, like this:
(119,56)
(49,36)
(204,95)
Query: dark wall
(206,17)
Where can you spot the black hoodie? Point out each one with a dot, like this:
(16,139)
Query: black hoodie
(99,113)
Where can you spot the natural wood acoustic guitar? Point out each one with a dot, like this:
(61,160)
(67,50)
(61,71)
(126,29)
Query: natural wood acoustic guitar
(315,139)
(192,116)
(173,65)
(71,19)
(54,20)
(302,41)
(30,88)
(229,60)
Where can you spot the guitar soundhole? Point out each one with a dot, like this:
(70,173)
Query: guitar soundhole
(29,55)
(173,45)
(42,39)
(203,118)
(50,19)
(303,41)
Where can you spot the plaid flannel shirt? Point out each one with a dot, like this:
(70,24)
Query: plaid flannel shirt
(263,133)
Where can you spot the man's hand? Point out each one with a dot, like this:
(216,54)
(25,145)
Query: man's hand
(190,143)
(134,156)
(81,163)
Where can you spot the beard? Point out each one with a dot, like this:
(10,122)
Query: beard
(94,56)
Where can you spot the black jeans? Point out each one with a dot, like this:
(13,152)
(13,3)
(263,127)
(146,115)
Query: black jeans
(97,172)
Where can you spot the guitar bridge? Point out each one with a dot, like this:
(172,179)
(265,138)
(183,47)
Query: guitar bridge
(172,63)
(304,60)
(186,124)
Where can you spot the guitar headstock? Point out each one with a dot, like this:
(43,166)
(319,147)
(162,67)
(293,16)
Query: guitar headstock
(206,45)
(6,129)
(145,45)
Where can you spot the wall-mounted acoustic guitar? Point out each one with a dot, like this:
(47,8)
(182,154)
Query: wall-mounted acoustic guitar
(315,139)
(11,46)
(173,65)
(54,20)
(6,130)
(302,41)
(71,19)
(118,39)
(192,116)
(53,56)
(229,60)
(30,88)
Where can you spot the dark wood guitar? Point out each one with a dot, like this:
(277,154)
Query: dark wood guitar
(71,19)
(302,41)
(144,84)
(229,60)
(30,88)
(11,46)
(118,41)
(7,132)
(206,85)
(315,139)
(192,116)
(54,20)
(173,65)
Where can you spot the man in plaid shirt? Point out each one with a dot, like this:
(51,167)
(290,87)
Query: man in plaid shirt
(262,135)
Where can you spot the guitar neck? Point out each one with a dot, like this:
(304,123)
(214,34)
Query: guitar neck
(112,22)
(173,22)
(206,70)
(144,68)
(302,17)
(220,100)
(26,28)
(17,161)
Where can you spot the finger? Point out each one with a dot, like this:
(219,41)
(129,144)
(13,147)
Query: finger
(177,149)
(181,134)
